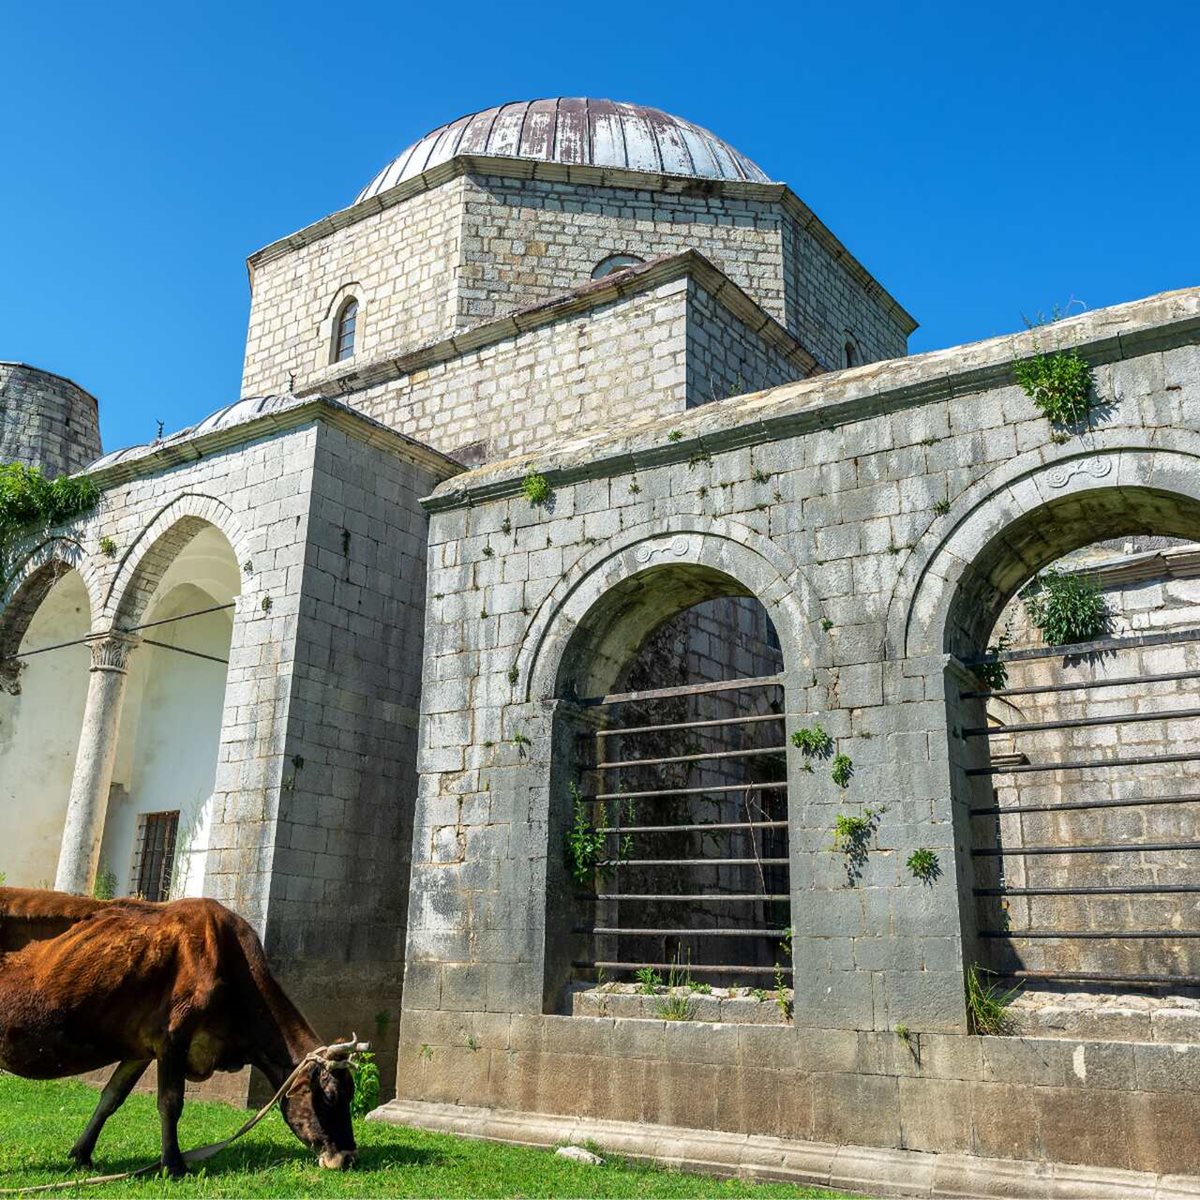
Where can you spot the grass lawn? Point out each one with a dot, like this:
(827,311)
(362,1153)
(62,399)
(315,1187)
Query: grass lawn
(39,1122)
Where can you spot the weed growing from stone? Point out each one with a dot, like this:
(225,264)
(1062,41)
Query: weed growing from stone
(759,475)
(506,526)
(108,547)
(584,841)
(31,504)
(1066,608)
(536,488)
(987,1003)
(923,865)
(1059,384)
(852,837)
(826,624)
(941,508)
(813,742)
(675,436)
(649,980)
(513,675)
(634,488)
(488,552)
(842,770)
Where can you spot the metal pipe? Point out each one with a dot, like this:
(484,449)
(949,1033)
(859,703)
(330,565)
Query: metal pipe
(689,791)
(691,968)
(1090,934)
(682,758)
(757,933)
(694,689)
(1083,685)
(1083,765)
(1132,802)
(621,732)
(1102,848)
(1175,714)
(692,828)
(691,899)
(694,862)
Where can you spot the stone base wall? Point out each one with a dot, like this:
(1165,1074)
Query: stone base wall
(46,421)
(1109,1104)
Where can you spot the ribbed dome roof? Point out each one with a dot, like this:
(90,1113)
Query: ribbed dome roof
(598,133)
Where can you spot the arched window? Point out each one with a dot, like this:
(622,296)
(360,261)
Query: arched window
(615,262)
(343,330)
(851,354)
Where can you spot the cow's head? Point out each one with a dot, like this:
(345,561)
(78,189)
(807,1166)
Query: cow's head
(317,1107)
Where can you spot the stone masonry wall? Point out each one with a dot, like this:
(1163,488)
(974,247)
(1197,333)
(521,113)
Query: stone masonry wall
(339,881)
(526,240)
(826,306)
(46,421)
(402,265)
(881,515)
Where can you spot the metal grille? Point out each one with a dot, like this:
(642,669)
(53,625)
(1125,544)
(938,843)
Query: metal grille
(688,787)
(1085,856)
(156,858)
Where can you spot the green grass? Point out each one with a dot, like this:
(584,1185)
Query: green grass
(39,1121)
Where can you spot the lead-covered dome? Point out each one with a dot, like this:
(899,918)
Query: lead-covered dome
(597,133)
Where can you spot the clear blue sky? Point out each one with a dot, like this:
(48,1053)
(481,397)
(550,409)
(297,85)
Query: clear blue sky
(982,160)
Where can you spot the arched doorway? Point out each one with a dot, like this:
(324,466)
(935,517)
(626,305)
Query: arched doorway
(160,803)
(670,793)
(1077,756)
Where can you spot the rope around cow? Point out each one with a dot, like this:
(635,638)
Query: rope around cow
(336,1053)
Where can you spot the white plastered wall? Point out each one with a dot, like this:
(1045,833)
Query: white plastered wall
(39,735)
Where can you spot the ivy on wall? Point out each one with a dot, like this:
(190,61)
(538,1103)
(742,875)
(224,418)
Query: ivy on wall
(30,504)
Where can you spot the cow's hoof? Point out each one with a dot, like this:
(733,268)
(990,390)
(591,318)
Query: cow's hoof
(80,1157)
(176,1170)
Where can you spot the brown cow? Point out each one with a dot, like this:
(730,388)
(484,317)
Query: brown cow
(85,983)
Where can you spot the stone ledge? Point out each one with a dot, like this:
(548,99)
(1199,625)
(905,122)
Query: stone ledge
(851,1168)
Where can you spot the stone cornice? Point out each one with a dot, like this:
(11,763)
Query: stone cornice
(838,398)
(357,425)
(611,289)
(616,177)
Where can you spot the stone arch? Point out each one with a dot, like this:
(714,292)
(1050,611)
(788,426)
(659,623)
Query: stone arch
(722,547)
(156,547)
(999,527)
(31,584)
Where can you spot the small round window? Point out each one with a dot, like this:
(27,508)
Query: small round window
(615,262)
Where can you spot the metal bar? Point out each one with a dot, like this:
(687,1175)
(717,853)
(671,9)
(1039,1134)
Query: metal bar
(691,899)
(996,810)
(1084,765)
(691,968)
(692,828)
(81,641)
(1087,977)
(1138,889)
(1083,685)
(690,791)
(200,612)
(183,650)
(1100,645)
(758,933)
(694,689)
(689,725)
(1102,848)
(1090,934)
(682,758)
(1174,714)
(694,862)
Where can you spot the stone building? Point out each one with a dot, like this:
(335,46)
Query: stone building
(578,467)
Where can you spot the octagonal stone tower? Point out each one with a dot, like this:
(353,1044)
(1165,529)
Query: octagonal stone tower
(46,421)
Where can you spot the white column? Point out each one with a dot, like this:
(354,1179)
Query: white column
(88,802)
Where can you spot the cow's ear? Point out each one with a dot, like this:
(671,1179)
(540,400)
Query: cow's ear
(297,1084)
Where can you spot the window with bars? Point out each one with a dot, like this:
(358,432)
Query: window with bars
(344,331)
(155,859)
(684,788)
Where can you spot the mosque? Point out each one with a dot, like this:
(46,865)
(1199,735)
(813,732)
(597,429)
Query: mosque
(578,481)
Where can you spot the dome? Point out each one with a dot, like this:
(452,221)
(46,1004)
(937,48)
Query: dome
(597,133)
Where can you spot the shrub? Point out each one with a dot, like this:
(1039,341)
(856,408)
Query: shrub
(1059,384)
(852,837)
(105,887)
(536,488)
(813,742)
(1066,608)
(366,1083)
(649,980)
(30,502)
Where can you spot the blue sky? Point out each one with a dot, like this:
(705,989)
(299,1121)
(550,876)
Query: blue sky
(983,161)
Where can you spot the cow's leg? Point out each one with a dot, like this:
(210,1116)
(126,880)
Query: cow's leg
(118,1087)
(171,1076)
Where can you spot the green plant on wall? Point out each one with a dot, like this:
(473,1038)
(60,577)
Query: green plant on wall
(852,837)
(813,742)
(31,504)
(987,1003)
(1066,608)
(105,887)
(842,770)
(924,865)
(536,488)
(1059,384)
(585,842)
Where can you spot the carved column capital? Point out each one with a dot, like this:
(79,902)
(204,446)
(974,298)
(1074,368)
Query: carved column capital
(110,651)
